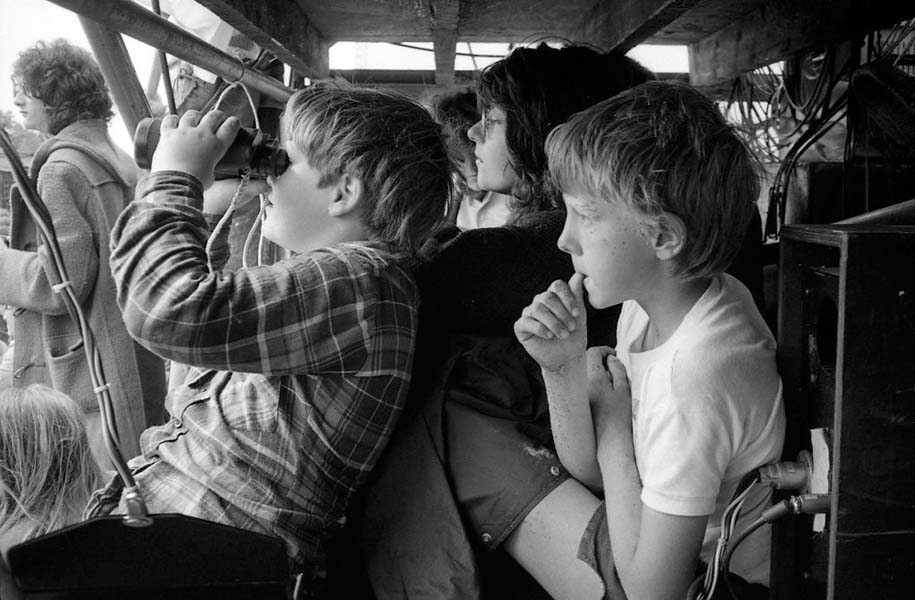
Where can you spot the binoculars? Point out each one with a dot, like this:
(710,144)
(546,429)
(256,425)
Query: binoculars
(252,151)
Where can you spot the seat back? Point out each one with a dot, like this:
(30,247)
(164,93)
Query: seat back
(175,557)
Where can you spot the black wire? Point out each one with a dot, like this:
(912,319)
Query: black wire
(816,127)
(45,226)
(746,481)
(471,54)
(726,560)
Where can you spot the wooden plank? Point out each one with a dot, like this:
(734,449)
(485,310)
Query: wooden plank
(444,18)
(626,24)
(778,30)
(280,26)
(417,84)
(445,45)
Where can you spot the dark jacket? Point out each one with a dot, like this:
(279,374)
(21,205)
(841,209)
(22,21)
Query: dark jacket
(473,289)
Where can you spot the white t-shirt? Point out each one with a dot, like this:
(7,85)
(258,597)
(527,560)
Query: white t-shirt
(491,210)
(706,410)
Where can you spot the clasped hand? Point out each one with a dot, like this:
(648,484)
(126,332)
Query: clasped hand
(553,329)
(609,393)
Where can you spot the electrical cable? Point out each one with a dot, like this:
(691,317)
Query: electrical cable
(258,221)
(728,521)
(822,118)
(808,504)
(726,561)
(137,514)
(233,205)
(782,475)
(412,47)
(473,57)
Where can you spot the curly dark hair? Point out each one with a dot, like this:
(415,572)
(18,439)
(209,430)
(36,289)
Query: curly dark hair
(540,88)
(457,112)
(67,79)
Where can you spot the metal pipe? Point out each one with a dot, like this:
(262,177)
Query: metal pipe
(117,68)
(141,24)
(163,68)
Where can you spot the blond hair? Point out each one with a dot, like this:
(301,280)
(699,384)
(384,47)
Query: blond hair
(389,142)
(47,471)
(664,149)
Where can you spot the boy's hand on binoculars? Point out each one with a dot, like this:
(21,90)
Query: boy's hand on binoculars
(194,143)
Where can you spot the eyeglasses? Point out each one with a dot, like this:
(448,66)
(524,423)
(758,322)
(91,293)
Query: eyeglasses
(488,123)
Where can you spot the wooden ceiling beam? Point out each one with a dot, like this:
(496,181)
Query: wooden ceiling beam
(778,30)
(624,24)
(444,18)
(280,26)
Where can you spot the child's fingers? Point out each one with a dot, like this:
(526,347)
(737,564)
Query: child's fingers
(228,129)
(168,122)
(599,354)
(570,304)
(550,309)
(617,372)
(577,287)
(597,366)
(527,327)
(595,357)
(189,119)
(213,120)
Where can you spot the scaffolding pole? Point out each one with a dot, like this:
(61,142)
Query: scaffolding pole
(141,24)
(117,68)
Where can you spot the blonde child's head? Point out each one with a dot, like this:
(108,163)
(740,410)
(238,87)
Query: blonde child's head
(386,140)
(665,150)
(47,472)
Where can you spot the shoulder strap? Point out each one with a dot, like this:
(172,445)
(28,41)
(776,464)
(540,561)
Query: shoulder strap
(44,154)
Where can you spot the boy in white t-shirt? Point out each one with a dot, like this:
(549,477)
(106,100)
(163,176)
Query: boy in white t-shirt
(658,191)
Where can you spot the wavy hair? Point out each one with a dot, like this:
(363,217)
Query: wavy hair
(457,112)
(389,142)
(664,149)
(67,79)
(540,88)
(47,472)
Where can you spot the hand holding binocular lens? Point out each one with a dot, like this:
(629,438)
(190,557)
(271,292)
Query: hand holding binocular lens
(252,151)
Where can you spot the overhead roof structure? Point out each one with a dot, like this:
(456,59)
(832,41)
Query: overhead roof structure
(725,38)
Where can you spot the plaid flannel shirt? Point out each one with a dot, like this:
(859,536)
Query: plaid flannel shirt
(301,370)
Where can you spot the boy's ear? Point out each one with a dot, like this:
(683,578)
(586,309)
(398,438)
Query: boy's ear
(669,237)
(348,194)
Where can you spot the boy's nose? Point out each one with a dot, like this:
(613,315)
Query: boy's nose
(566,242)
